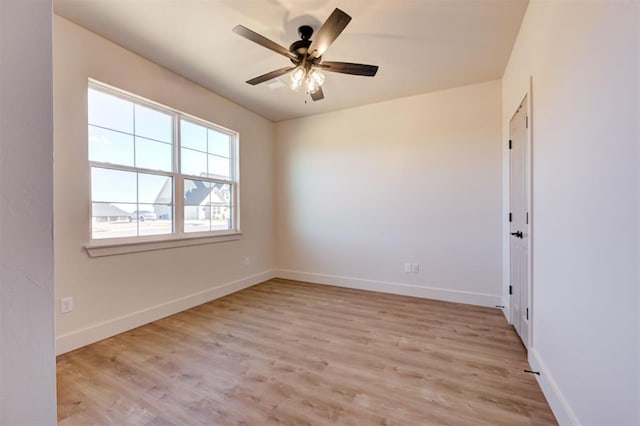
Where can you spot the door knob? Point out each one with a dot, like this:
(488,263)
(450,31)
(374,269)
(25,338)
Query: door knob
(518,234)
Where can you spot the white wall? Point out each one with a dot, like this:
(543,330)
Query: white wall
(27,363)
(116,293)
(418,179)
(361,191)
(583,59)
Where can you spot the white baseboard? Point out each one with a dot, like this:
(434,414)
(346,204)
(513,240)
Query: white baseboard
(76,339)
(558,403)
(458,296)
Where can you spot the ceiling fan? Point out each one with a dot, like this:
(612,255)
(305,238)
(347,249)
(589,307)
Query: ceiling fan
(306,55)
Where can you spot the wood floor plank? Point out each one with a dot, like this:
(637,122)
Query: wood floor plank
(291,353)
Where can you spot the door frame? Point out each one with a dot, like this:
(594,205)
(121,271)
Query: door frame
(528,95)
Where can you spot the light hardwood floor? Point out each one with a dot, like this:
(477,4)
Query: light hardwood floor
(284,352)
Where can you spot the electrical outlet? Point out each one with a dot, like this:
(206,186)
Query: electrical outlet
(247,260)
(407,268)
(66,305)
(415,268)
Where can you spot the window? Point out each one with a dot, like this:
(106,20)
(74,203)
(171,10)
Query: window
(157,173)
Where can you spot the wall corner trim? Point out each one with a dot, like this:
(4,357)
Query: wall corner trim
(403,289)
(558,403)
(93,333)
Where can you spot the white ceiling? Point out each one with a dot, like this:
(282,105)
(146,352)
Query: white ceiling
(420,45)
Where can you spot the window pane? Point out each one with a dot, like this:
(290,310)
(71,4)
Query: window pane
(221,207)
(155,189)
(219,166)
(218,143)
(196,192)
(129,208)
(193,136)
(196,206)
(109,185)
(194,163)
(196,219)
(149,222)
(110,111)
(107,146)
(153,124)
(112,221)
(164,212)
(221,193)
(153,155)
(223,220)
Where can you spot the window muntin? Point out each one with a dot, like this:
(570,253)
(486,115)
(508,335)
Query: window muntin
(142,155)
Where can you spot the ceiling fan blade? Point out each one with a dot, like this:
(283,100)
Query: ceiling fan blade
(263,41)
(328,32)
(350,68)
(270,75)
(318,94)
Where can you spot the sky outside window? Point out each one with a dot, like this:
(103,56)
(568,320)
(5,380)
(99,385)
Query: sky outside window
(127,134)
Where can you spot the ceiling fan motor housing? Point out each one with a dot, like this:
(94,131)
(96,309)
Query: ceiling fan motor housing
(301,47)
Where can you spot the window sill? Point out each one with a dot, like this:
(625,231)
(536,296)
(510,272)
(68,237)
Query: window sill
(115,248)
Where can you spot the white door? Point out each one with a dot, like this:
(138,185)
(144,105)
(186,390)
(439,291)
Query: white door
(519,221)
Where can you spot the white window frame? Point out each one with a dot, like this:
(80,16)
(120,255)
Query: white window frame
(178,238)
